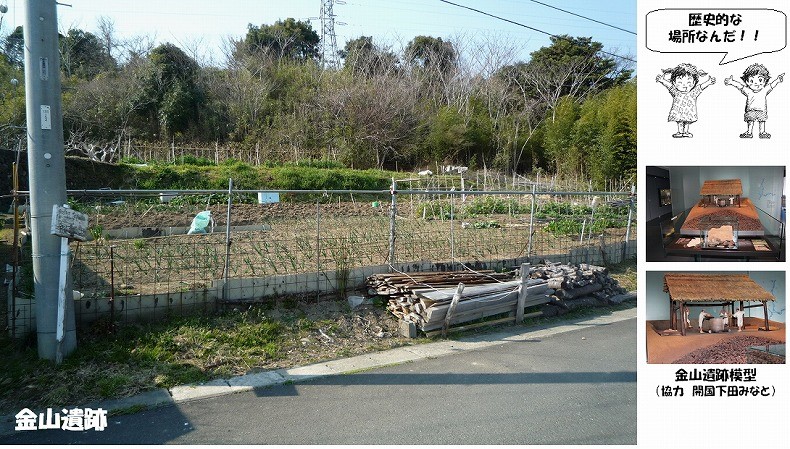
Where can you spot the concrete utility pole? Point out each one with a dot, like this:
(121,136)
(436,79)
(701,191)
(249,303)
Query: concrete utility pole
(47,169)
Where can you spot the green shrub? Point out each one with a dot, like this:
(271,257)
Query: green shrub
(316,163)
(193,160)
(573,226)
(556,210)
(434,210)
(495,205)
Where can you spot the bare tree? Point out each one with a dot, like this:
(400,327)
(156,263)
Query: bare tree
(136,47)
(243,88)
(78,144)
(106,33)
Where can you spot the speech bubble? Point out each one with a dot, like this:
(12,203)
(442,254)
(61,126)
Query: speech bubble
(739,33)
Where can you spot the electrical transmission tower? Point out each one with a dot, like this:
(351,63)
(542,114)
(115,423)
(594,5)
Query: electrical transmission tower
(329,55)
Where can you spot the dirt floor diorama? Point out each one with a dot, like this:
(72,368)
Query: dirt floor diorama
(141,262)
(705,326)
(721,215)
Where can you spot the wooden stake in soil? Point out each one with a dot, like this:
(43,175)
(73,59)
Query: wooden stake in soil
(522,292)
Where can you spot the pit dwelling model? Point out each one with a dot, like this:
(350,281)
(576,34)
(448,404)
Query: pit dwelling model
(723,212)
(713,291)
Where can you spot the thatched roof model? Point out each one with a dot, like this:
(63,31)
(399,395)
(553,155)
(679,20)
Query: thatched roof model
(722,187)
(702,287)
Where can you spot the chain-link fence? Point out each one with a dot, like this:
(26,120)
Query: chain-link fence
(142,262)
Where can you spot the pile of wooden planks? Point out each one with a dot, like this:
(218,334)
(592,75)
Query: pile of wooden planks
(476,302)
(426,299)
(401,287)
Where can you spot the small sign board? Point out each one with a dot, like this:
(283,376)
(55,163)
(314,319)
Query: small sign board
(46,117)
(268,198)
(69,223)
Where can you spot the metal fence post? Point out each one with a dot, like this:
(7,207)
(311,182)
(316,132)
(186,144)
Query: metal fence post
(452,232)
(226,271)
(393,191)
(531,222)
(318,249)
(628,225)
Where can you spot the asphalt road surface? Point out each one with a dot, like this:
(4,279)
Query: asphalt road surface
(577,387)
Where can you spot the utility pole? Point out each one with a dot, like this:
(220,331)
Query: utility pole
(47,172)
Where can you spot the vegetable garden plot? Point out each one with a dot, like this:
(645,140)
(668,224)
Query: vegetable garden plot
(303,245)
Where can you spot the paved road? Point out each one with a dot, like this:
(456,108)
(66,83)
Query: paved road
(577,387)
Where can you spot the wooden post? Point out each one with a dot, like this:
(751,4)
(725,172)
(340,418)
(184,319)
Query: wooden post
(765,315)
(683,318)
(522,292)
(451,309)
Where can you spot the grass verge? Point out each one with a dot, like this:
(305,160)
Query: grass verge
(134,357)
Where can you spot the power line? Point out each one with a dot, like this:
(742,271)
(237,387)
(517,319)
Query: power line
(531,28)
(583,17)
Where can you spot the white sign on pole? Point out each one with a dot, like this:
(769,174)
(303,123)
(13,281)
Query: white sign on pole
(46,118)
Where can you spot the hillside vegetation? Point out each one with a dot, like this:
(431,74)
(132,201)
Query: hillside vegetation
(570,109)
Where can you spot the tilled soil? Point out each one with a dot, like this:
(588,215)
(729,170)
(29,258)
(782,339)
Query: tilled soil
(732,351)
(241,214)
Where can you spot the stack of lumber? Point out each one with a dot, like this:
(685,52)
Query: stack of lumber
(426,299)
(400,287)
(476,302)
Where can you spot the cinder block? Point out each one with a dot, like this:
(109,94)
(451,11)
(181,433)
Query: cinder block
(407,329)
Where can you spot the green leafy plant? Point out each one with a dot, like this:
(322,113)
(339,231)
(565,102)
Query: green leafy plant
(96,231)
(491,224)
(490,205)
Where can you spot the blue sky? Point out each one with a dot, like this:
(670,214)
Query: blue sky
(391,22)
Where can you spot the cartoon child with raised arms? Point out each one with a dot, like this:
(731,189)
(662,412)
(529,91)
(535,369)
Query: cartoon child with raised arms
(683,83)
(756,89)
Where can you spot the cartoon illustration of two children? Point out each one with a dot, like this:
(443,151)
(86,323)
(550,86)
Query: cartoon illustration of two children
(685,83)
